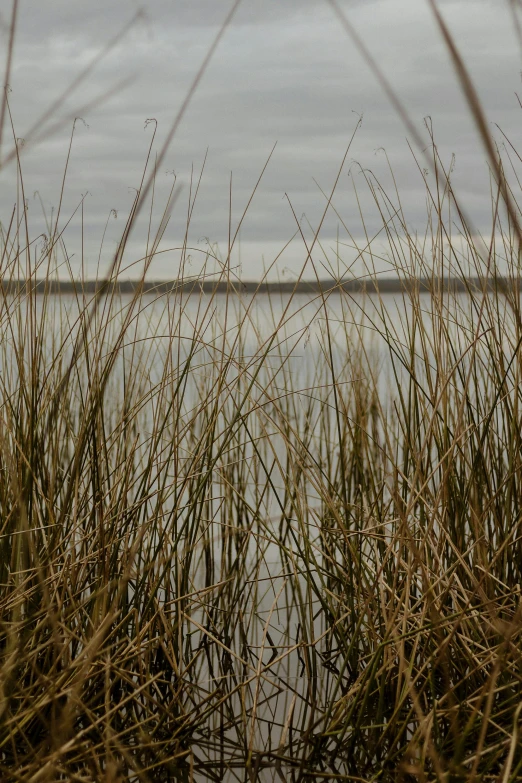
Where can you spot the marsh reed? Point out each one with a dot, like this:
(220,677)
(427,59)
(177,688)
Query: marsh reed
(252,537)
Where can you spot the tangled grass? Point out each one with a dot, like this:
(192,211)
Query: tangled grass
(253,537)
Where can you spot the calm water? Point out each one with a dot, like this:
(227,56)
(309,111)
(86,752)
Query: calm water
(293,350)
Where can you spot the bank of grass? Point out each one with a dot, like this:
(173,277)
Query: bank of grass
(237,543)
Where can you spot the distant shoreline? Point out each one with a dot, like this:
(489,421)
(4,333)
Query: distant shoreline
(374,285)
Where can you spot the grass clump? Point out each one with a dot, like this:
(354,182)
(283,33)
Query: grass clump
(253,537)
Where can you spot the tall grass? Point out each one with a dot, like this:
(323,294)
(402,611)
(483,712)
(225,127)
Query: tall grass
(263,538)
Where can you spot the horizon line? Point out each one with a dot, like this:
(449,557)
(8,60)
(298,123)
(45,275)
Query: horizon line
(327,285)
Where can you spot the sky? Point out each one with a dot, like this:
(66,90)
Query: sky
(284,74)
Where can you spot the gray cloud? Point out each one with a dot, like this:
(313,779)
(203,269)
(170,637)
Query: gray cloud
(285,73)
(81,20)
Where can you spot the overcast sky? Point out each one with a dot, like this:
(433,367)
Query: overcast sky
(284,73)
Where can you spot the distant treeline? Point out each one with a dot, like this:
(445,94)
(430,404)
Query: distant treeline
(208,286)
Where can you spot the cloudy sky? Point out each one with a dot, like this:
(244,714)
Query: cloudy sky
(285,74)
